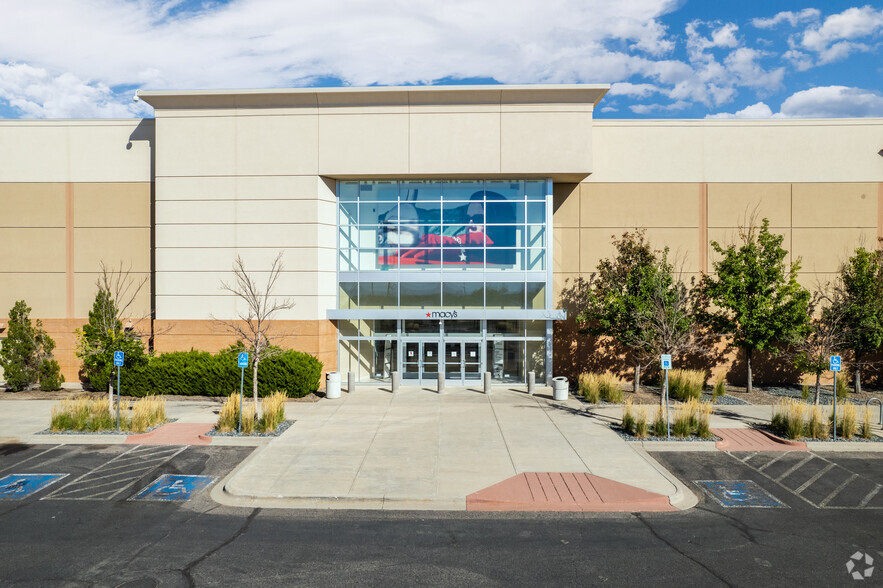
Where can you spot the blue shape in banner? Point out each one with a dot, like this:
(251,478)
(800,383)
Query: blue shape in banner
(174,487)
(739,493)
(15,486)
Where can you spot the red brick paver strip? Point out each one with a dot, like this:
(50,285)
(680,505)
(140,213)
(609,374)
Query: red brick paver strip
(174,434)
(754,440)
(557,491)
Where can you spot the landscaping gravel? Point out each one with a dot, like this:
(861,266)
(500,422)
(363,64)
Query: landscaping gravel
(619,431)
(825,396)
(105,432)
(725,399)
(279,430)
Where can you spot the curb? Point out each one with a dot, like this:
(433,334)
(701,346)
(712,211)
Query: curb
(683,498)
(777,439)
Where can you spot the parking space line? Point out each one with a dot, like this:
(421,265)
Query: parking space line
(120,471)
(772,461)
(27,459)
(749,456)
(815,478)
(837,491)
(795,467)
(870,496)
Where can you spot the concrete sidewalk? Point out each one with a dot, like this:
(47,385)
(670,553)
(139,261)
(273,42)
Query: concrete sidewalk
(421,449)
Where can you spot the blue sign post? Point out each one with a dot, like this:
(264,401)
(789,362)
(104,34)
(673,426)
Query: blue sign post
(835,367)
(119,359)
(243,363)
(665,360)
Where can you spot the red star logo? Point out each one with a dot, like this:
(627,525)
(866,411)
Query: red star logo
(428,315)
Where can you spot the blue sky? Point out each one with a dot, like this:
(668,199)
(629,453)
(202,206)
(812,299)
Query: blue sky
(664,58)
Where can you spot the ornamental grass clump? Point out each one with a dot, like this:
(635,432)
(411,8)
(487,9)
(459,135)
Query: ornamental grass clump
(249,414)
(660,427)
(597,387)
(610,388)
(684,421)
(865,427)
(228,417)
(847,422)
(148,412)
(788,418)
(82,413)
(686,384)
(720,389)
(703,420)
(628,419)
(817,425)
(588,387)
(641,431)
(273,408)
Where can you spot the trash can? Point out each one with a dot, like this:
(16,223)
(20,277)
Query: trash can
(559,388)
(332,385)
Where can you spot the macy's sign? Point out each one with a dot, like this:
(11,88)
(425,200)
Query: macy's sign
(442,314)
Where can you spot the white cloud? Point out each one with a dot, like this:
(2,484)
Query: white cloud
(759,110)
(793,18)
(37,94)
(835,38)
(801,61)
(635,90)
(833,102)
(743,63)
(650,108)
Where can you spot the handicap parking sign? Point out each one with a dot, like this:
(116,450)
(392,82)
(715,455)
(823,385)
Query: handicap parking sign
(174,487)
(666,361)
(118,358)
(835,363)
(243,360)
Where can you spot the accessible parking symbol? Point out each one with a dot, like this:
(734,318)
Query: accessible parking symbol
(174,487)
(16,486)
(739,493)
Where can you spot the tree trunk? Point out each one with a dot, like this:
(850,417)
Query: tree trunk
(818,387)
(254,383)
(748,353)
(637,384)
(110,392)
(858,380)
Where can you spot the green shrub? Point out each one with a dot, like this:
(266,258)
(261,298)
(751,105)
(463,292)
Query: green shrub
(26,353)
(189,373)
(804,392)
(685,384)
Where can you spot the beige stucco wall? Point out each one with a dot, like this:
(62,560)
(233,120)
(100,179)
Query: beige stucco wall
(73,194)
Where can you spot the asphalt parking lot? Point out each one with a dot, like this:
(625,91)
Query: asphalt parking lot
(170,473)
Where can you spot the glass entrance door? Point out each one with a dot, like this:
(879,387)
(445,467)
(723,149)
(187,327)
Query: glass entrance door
(462,362)
(420,362)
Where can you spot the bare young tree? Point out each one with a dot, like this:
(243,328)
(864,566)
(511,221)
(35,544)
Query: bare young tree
(106,332)
(253,325)
(828,333)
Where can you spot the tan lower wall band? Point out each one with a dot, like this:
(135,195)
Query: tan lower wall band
(69,248)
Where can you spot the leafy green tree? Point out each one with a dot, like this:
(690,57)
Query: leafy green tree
(26,353)
(860,301)
(636,299)
(105,333)
(754,294)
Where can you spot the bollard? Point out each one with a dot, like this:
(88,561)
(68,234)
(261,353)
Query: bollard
(396,381)
(441,382)
(531,383)
(487,382)
(350,382)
